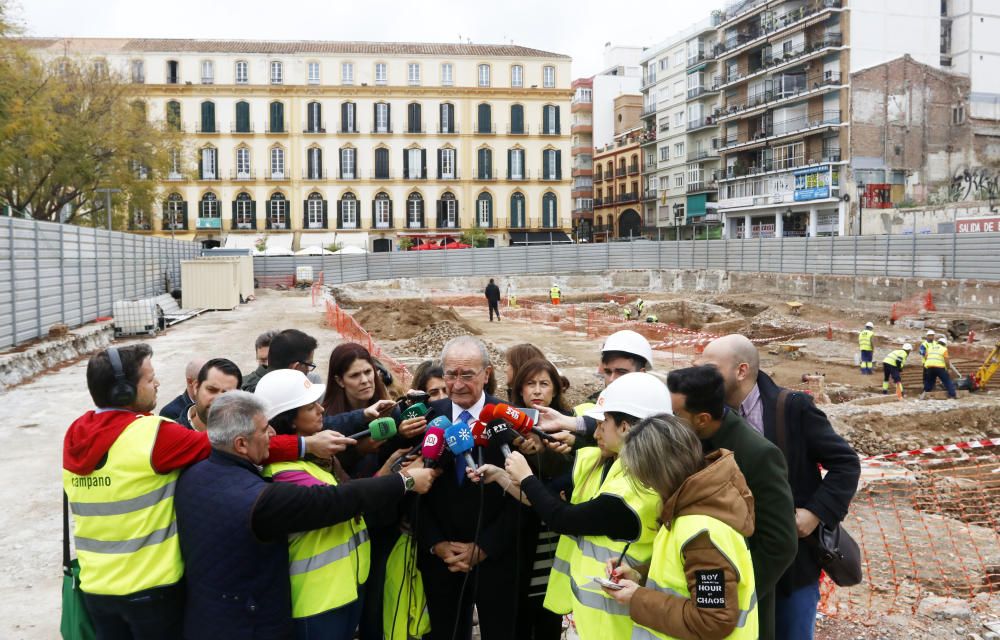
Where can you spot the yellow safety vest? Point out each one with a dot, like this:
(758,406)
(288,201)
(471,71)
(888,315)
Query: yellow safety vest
(667,575)
(325,565)
(554,293)
(598,616)
(865,339)
(925,346)
(586,485)
(581,409)
(404,614)
(936,354)
(125,527)
(896,358)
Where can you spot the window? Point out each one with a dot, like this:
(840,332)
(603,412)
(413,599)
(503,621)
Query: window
(447,73)
(484,75)
(788,156)
(678,179)
(243,117)
(958,114)
(485,119)
(383,211)
(664,63)
(515,164)
(679,59)
(312,76)
(175,165)
(448,211)
(314,118)
(446,164)
(347,73)
(208,169)
(413,118)
(413,73)
(664,183)
(415,211)
(678,149)
(138,72)
(382,163)
(552,164)
(277,121)
(381,73)
(548,77)
(175,212)
(517,210)
(484,210)
(347,163)
(679,88)
(679,119)
(348,118)
(314,163)
(207,117)
(243,212)
(381,117)
(174,115)
(414,163)
(276,72)
(517,119)
(550,119)
(447,124)
(277,163)
(484,164)
(315,211)
(242,163)
(584,94)
(173,72)
(209,206)
(277,214)
(242,72)
(517,76)
(207,72)
(349,211)
(550,217)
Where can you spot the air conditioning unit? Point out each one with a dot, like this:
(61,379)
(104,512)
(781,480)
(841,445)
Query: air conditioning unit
(132,318)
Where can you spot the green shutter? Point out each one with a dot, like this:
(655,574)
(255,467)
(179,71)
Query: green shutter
(558,164)
(556,110)
(545,119)
(208,117)
(243,117)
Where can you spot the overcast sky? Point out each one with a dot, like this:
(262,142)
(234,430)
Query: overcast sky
(579,29)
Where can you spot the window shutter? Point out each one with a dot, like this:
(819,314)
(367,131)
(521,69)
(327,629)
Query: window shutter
(233,225)
(201,164)
(516,119)
(479,163)
(510,157)
(558,164)
(253,214)
(388,116)
(440,214)
(545,119)
(374,116)
(374,208)
(242,117)
(489,209)
(423,163)
(340,214)
(340,169)
(391,225)
(267,220)
(406,164)
(305,214)
(440,154)
(325,222)
(343,117)
(556,110)
(207,117)
(319,163)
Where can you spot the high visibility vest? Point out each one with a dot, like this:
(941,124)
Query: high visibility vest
(936,354)
(596,615)
(404,614)
(586,485)
(896,358)
(581,409)
(325,565)
(865,340)
(924,348)
(554,293)
(125,527)
(639,304)
(666,572)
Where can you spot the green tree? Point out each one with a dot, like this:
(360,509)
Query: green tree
(68,129)
(475,237)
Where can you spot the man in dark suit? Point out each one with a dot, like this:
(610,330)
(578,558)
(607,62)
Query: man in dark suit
(179,405)
(698,396)
(467,531)
(809,442)
(493,298)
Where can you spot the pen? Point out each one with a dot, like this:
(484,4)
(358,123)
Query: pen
(620,559)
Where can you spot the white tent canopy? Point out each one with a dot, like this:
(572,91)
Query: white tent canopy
(354,239)
(277,251)
(351,249)
(278,244)
(313,251)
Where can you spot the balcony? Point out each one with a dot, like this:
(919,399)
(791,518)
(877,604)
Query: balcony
(242,176)
(314,175)
(206,127)
(319,129)
(780,187)
(790,127)
(246,225)
(208,223)
(549,132)
(752,35)
(451,175)
(521,177)
(700,123)
(419,131)
(702,56)
(452,130)
(598,177)
(348,130)
(620,172)
(381,130)
(813,85)
(523,131)
(633,170)
(277,176)
(650,194)
(794,55)
(485,176)
(648,137)
(701,186)
(345,175)
(209,177)
(648,110)
(583,127)
(485,130)
(279,128)
(235,128)
(175,176)
(631,196)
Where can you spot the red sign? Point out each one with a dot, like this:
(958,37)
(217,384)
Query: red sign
(978,225)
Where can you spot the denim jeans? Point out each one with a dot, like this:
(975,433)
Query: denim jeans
(335,624)
(795,613)
(153,613)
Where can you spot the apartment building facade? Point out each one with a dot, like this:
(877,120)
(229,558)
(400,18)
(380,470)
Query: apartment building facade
(618,175)
(363,144)
(582,149)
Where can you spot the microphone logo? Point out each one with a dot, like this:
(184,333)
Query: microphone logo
(431,440)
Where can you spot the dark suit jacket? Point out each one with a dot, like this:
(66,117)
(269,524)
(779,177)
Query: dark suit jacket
(177,407)
(773,543)
(449,511)
(493,293)
(810,442)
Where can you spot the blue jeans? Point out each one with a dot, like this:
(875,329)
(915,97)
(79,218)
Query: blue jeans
(153,613)
(795,613)
(335,624)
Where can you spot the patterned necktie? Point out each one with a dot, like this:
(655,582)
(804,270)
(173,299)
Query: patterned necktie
(460,465)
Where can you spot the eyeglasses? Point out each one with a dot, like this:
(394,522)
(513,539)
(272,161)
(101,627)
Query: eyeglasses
(308,365)
(452,376)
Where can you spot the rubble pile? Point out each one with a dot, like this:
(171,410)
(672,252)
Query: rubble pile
(429,342)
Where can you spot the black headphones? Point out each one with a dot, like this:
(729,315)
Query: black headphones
(123,392)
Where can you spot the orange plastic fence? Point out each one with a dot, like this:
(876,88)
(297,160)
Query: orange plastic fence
(345,324)
(913,306)
(927,524)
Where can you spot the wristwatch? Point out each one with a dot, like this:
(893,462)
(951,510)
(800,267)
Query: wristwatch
(408,482)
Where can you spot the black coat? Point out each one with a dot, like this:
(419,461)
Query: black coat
(810,442)
(492,292)
(177,407)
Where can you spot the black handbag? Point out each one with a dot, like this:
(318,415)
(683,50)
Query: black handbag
(836,551)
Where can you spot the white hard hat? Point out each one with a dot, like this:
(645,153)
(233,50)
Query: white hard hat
(869,325)
(286,389)
(942,340)
(638,394)
(930,332)
(907,347)
(629,341)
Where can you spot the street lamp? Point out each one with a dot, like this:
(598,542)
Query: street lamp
(107,201)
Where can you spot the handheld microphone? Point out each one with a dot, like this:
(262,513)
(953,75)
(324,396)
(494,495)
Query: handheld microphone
(432,447)
(415,411)
(378,429)
(459,439)
(413,397)
(518,419)
(498,433)
(477,434)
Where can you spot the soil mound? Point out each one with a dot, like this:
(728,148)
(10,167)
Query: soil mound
(429,342)
(404,319)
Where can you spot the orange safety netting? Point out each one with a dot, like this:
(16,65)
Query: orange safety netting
(345,324)
(912,307)
(928,523)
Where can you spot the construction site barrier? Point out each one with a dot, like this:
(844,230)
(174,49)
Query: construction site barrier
(349,329)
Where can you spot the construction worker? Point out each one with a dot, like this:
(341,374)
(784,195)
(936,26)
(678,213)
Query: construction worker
(640,304)
(892,366)
(652,318)
(926,342)
(555,294)
(628,313)
(936,365)
(865,337)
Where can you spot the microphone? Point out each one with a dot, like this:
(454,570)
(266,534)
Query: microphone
(432,446)
(379,429)
(477,434)
(415,411)
(498,433)
(459,439)
(518,419)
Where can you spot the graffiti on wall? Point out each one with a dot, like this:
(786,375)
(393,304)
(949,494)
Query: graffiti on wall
(975,183)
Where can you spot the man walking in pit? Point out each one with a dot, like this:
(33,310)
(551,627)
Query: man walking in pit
(936,365)
(892,367)
(865,344)
(555,295)
(493,299)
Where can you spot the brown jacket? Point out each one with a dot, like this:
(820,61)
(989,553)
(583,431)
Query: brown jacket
(720,491)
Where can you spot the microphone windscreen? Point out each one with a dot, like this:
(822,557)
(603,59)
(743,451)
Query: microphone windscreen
(440,422)
(415,411)
(433,443)
(459,438)
(477,434)
(487,413)
(382,428)
(519,419)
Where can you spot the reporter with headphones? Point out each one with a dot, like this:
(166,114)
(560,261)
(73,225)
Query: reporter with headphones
(120,467)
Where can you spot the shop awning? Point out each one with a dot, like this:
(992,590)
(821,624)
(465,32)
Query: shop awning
(345,239)
(538,237)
